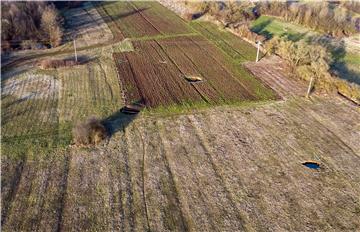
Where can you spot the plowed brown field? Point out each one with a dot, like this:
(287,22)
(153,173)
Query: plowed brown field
(139,19)
(156,72)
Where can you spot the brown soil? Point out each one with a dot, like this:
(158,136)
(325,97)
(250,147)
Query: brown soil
(274,72)
(155,73)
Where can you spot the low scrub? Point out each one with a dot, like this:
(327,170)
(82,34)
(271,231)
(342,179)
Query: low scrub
(91,132)
(30,24)
(312,61)
(334,18)
(244,31)
(51,64)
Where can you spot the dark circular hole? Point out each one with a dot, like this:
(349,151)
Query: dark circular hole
(311,164)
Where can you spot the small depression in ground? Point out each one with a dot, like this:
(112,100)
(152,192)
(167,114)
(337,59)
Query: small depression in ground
(312,165)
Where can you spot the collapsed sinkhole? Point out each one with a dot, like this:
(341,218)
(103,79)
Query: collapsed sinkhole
(132,108)
(311,164)
(193,79)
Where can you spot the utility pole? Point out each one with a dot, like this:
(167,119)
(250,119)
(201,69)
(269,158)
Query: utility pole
(258,49)
(75,51)
(310,87)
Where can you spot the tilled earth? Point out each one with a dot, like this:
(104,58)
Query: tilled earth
(221,169)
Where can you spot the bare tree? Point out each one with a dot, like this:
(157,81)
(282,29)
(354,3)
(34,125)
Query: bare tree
(50,24)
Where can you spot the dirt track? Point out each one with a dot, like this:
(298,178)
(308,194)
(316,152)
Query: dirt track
(225,169)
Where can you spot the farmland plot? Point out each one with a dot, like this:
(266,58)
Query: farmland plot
(156,73)
(210,63)
(221,169)
(274,71)
(153,77)
(141,19)
(39,107)
(232,45)
(26,97)
(86,25)
(93,88)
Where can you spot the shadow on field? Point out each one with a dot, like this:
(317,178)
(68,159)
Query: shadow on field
(260,29)
(338,52)
(123,117)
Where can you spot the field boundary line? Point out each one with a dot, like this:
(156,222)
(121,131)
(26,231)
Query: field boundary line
(163,36)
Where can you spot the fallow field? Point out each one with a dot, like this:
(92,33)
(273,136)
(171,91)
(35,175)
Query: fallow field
(219,153)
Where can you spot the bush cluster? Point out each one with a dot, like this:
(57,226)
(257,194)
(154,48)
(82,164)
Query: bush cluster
(334,18)
(91,132)
(312,61)
(24,24)
(51,64)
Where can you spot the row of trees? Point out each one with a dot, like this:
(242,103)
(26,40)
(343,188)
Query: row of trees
(312,61)
(228,12)
(332,18)
(29,24)
(337,19)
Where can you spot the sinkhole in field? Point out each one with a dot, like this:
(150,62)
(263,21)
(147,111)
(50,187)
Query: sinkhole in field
(132,108)
(192,79)
(311,164)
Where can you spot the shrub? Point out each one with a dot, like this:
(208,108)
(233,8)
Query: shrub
(188,16)
(91,132)
(51,64)
(312,61)
(5,46)
(329,17)
(244,31)
(28,44)
(50,25)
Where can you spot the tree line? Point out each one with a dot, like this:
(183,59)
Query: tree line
(309,61)
(30,25)
(334,18)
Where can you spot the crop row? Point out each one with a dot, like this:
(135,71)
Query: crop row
(139,19)
(150,76)
(156,73)
(232,45)
(206,58)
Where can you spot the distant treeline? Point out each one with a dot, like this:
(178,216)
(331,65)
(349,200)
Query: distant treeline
(335,18)
(30,25)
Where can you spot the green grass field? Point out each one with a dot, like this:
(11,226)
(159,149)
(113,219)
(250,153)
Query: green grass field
(271,26)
